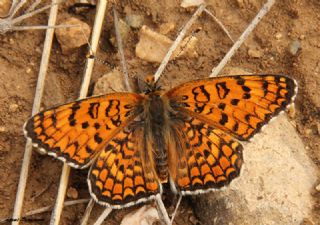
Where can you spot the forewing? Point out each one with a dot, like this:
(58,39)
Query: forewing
(239,105)
(123,174)
(76,131)
(207,158)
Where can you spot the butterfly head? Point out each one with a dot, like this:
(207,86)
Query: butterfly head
(150,84)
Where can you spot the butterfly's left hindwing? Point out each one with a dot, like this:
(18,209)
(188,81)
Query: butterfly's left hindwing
(123,174)
(77,131)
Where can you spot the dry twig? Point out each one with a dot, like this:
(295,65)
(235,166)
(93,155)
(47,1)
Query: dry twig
(120,47)
(35,109)
(263,11)
(176,43)
(220,24)
(101,8)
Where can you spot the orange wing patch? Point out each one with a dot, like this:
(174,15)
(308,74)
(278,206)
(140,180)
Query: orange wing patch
(209,158)
(75,132)
(239,105)
(121,177)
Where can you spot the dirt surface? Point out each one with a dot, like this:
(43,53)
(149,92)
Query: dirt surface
(265,51)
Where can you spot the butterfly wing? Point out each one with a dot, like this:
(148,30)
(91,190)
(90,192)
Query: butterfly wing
(77,131)
(239,105)
(123,174)
(205,157)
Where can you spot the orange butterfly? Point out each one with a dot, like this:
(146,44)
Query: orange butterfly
(186,136)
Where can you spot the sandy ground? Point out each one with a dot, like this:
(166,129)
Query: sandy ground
(266,51)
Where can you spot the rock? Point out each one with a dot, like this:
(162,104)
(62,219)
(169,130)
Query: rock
(165,28)
(5,7)
(72,37)
(255,53)
(153,46)
(13,107)
(278,36)
(109,83)
(124,30)
(72,193)
(146,215)
(134,20)
(191,3)
(2,129)
(240,3)
(274,186)
(294,47)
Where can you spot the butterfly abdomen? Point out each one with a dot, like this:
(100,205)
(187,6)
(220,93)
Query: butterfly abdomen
(155,124)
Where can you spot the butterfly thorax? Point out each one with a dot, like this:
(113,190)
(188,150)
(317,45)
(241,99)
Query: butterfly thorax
(155,125)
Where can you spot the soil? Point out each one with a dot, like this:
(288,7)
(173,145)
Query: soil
(265,51)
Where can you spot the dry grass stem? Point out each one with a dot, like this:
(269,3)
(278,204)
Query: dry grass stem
(263,11)
(120,49)
(178,40)
(220,24)
(36,106)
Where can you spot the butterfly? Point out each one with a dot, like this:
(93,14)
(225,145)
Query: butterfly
(187,136)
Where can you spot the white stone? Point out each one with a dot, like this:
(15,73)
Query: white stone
(109,83)
(73,37)
(153,46)
(146,215)
(275,183)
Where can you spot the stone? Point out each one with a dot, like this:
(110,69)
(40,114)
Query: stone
(191,3)
(146,215)
(72,193)
(71,38)
(166,28)
(274,187)
(134,20)
(294,47)
(255,53)
(13,107)
(5,7)
(109,83)
(153,46)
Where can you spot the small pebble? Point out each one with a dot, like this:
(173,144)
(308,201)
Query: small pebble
(134,20)
(28,70)
(13,107)
(255,53)
(240,3)
(165,28)
(318,187)
(308,131)
(294,47)
(302,37)
(278,36)
(72,193)
(2,129)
